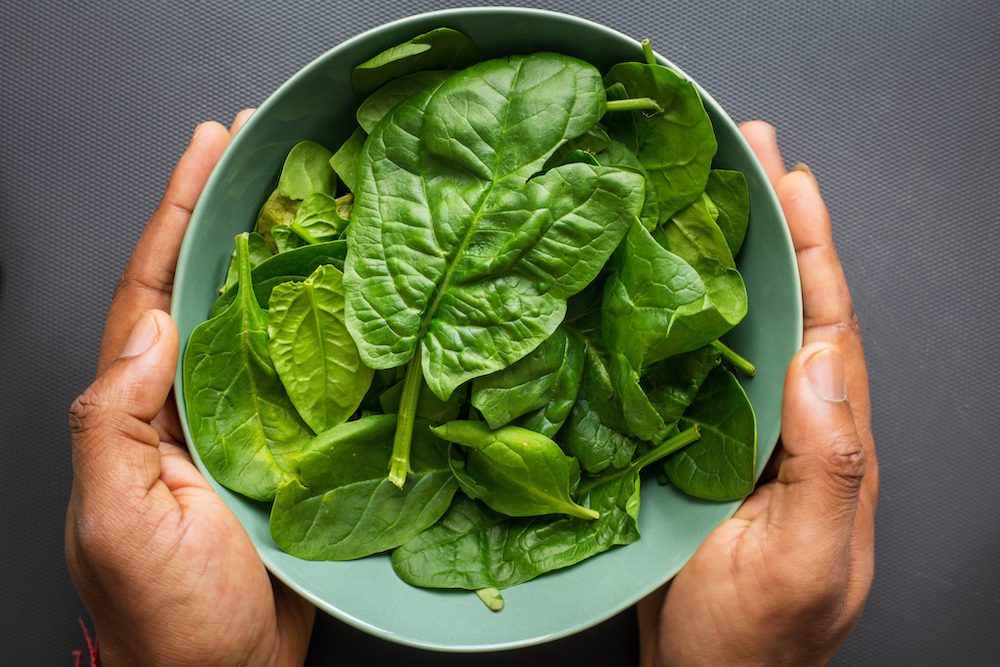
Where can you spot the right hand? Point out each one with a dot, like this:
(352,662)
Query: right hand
(784,581)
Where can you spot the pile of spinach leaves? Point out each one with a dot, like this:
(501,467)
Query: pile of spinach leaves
(463,334)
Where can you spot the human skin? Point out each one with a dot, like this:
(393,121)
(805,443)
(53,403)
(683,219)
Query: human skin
(170,576)
(784,581)
(164,567)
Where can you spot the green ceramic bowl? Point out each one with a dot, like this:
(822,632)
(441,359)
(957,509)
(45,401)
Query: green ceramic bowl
(317,103)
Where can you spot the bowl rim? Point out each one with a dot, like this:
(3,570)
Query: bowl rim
(222,167)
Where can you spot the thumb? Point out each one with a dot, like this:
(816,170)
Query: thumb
(115,448)
(818,483)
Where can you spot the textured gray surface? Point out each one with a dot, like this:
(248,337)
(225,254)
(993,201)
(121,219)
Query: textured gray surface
(893,105)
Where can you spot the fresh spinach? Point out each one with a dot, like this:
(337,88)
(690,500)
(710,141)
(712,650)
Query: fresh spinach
(312,351)
(341,506)
(514,470)
(538,263)
(720,466)
(450,193)
(294,264)
(439,49)
(245,428)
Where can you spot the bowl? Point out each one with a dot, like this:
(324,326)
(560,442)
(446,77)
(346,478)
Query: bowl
(317,103)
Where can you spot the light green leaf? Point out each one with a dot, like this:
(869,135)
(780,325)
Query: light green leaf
(306,171)
(313,353)
(345,160)
(242,423)
(385,99)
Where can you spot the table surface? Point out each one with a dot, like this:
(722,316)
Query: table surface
(892,104)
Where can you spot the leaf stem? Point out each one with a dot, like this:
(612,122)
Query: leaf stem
(304,233)
(399,464)
(665,448)
(344,199)
(647,52)
(735,359)
(635,104)
(491,597)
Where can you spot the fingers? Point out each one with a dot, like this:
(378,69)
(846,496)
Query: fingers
(148,279)
(115,449)
(827,308)
(240,120)
(814,502)
(763,139)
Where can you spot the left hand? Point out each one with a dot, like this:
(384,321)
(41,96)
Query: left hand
(165,569)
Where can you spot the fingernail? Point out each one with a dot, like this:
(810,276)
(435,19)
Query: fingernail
(144,334)
(804,168)
(825,370)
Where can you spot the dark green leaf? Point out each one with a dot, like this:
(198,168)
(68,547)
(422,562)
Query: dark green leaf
(673,383)
(516,471)
(473,547)
(541,386)
(728,191)
(721,465)
(343,507)
(442,48)
(313,353)
(596,431)
(242,423)
(676,146)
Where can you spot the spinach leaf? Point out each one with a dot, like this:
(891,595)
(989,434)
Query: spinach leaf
(276,212)
(515,471)
(541,386)
(284,239)
(728,191)
(259,252)
(345,160)
(596,432)
(442,48)
(319,219)
(672,384)
(453,251)
(312,351)
(473,547)
(306,171)
(342,506)
(243,425)
(721,465)
(675,146)
(294,264)
(617,154)
(385,99)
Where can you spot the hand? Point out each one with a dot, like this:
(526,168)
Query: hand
(783,582)
(165,569)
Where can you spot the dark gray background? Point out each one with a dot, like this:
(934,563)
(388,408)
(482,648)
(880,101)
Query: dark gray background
(893,105)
